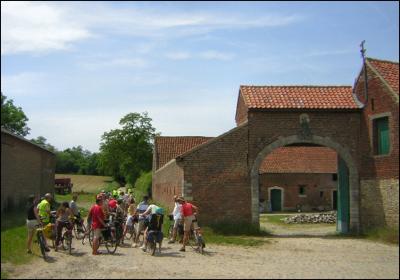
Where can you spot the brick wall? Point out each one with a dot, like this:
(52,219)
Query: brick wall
(379,174)
(267,127)
(314,184)
(241,111)
(167,182)
(216,177)
(382,167)
(26,169)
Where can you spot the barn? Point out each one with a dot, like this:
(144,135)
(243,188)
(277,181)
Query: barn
(26,168)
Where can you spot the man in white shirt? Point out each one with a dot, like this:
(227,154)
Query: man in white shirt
(177,213)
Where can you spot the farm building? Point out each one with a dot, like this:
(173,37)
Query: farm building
(26,168)
(225,175)
(299,178)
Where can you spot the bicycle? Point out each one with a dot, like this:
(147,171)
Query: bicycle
(196,240)
(41,240)
(131,231)
(154,237)
(108,238)
(66,238)
(79,228)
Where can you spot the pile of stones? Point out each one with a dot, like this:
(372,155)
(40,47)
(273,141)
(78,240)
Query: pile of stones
(327,218)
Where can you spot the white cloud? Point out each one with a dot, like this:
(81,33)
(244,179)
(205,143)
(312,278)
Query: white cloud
(216,55)
(37,27)
(178,55)
(44,26)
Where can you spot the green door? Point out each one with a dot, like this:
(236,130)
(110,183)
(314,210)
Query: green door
(276,198)
(343,203)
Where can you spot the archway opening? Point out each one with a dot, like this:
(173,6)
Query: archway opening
(316,178)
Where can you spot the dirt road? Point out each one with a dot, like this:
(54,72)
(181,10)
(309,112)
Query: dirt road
(279,258)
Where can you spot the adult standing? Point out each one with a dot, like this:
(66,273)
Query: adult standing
(141,208)
(97,217)
(188,212)
(32,220)
(177,214)
(44,210)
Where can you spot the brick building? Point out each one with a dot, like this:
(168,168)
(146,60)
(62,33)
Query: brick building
(26,168)
(293,178)
(222,175)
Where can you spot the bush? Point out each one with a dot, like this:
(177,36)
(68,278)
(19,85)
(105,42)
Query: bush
(143,186)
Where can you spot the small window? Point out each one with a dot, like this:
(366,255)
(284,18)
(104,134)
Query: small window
(334,177)
(302,190)
(372,104)
(381,137)
(321,194)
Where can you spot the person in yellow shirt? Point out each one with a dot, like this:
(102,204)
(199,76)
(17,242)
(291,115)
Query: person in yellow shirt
(44,213)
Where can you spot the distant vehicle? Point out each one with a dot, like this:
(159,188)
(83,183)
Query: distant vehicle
(63,185)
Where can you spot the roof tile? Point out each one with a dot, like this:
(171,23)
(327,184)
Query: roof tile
(169,147)
(298,97)
(389,71)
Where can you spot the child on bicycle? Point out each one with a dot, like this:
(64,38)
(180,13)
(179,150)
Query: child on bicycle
(64,217)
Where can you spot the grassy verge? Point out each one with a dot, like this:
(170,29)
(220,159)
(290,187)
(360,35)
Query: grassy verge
(13,240)
(385,235)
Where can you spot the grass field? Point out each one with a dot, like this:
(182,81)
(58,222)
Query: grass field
(87,183)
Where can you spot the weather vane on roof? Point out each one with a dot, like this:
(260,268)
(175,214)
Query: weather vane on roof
(362,49)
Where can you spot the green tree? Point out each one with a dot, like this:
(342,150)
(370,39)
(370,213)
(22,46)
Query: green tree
(126,152)
(41,141)
(13,118)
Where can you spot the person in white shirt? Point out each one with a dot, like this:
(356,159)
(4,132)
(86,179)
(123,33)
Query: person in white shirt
(177,213)
(141,208)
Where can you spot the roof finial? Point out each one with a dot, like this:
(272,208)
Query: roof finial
(363,50)
(365,72)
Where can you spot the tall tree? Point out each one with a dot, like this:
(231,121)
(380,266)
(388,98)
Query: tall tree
(13,118)
(126,152)
(41,141)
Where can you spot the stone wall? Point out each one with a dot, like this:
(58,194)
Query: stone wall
(25,169)
(380,203)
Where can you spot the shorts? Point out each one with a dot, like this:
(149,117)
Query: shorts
(31,225)
(177,222)
(187,222)
(97,233)
(129,221)
(140,227)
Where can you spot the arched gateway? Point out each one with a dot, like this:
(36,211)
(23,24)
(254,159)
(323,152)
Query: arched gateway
(221,174)
(348,212)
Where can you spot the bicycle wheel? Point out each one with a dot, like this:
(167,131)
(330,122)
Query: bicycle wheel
(112,242)
(200,244)
(192,240)
(91,237)
(131,233)
(40,239)
(67,241)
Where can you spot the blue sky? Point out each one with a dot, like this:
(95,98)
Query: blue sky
(77,68)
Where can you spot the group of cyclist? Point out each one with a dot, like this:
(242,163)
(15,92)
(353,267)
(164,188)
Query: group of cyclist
(118,206)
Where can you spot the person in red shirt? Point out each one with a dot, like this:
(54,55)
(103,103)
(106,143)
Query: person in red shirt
(112,204)
(97,216)
(188,213)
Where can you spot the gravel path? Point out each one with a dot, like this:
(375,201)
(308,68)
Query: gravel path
(281,257)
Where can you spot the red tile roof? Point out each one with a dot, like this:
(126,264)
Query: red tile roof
(300,160)
(169,147)
(298,97)
(389,70)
